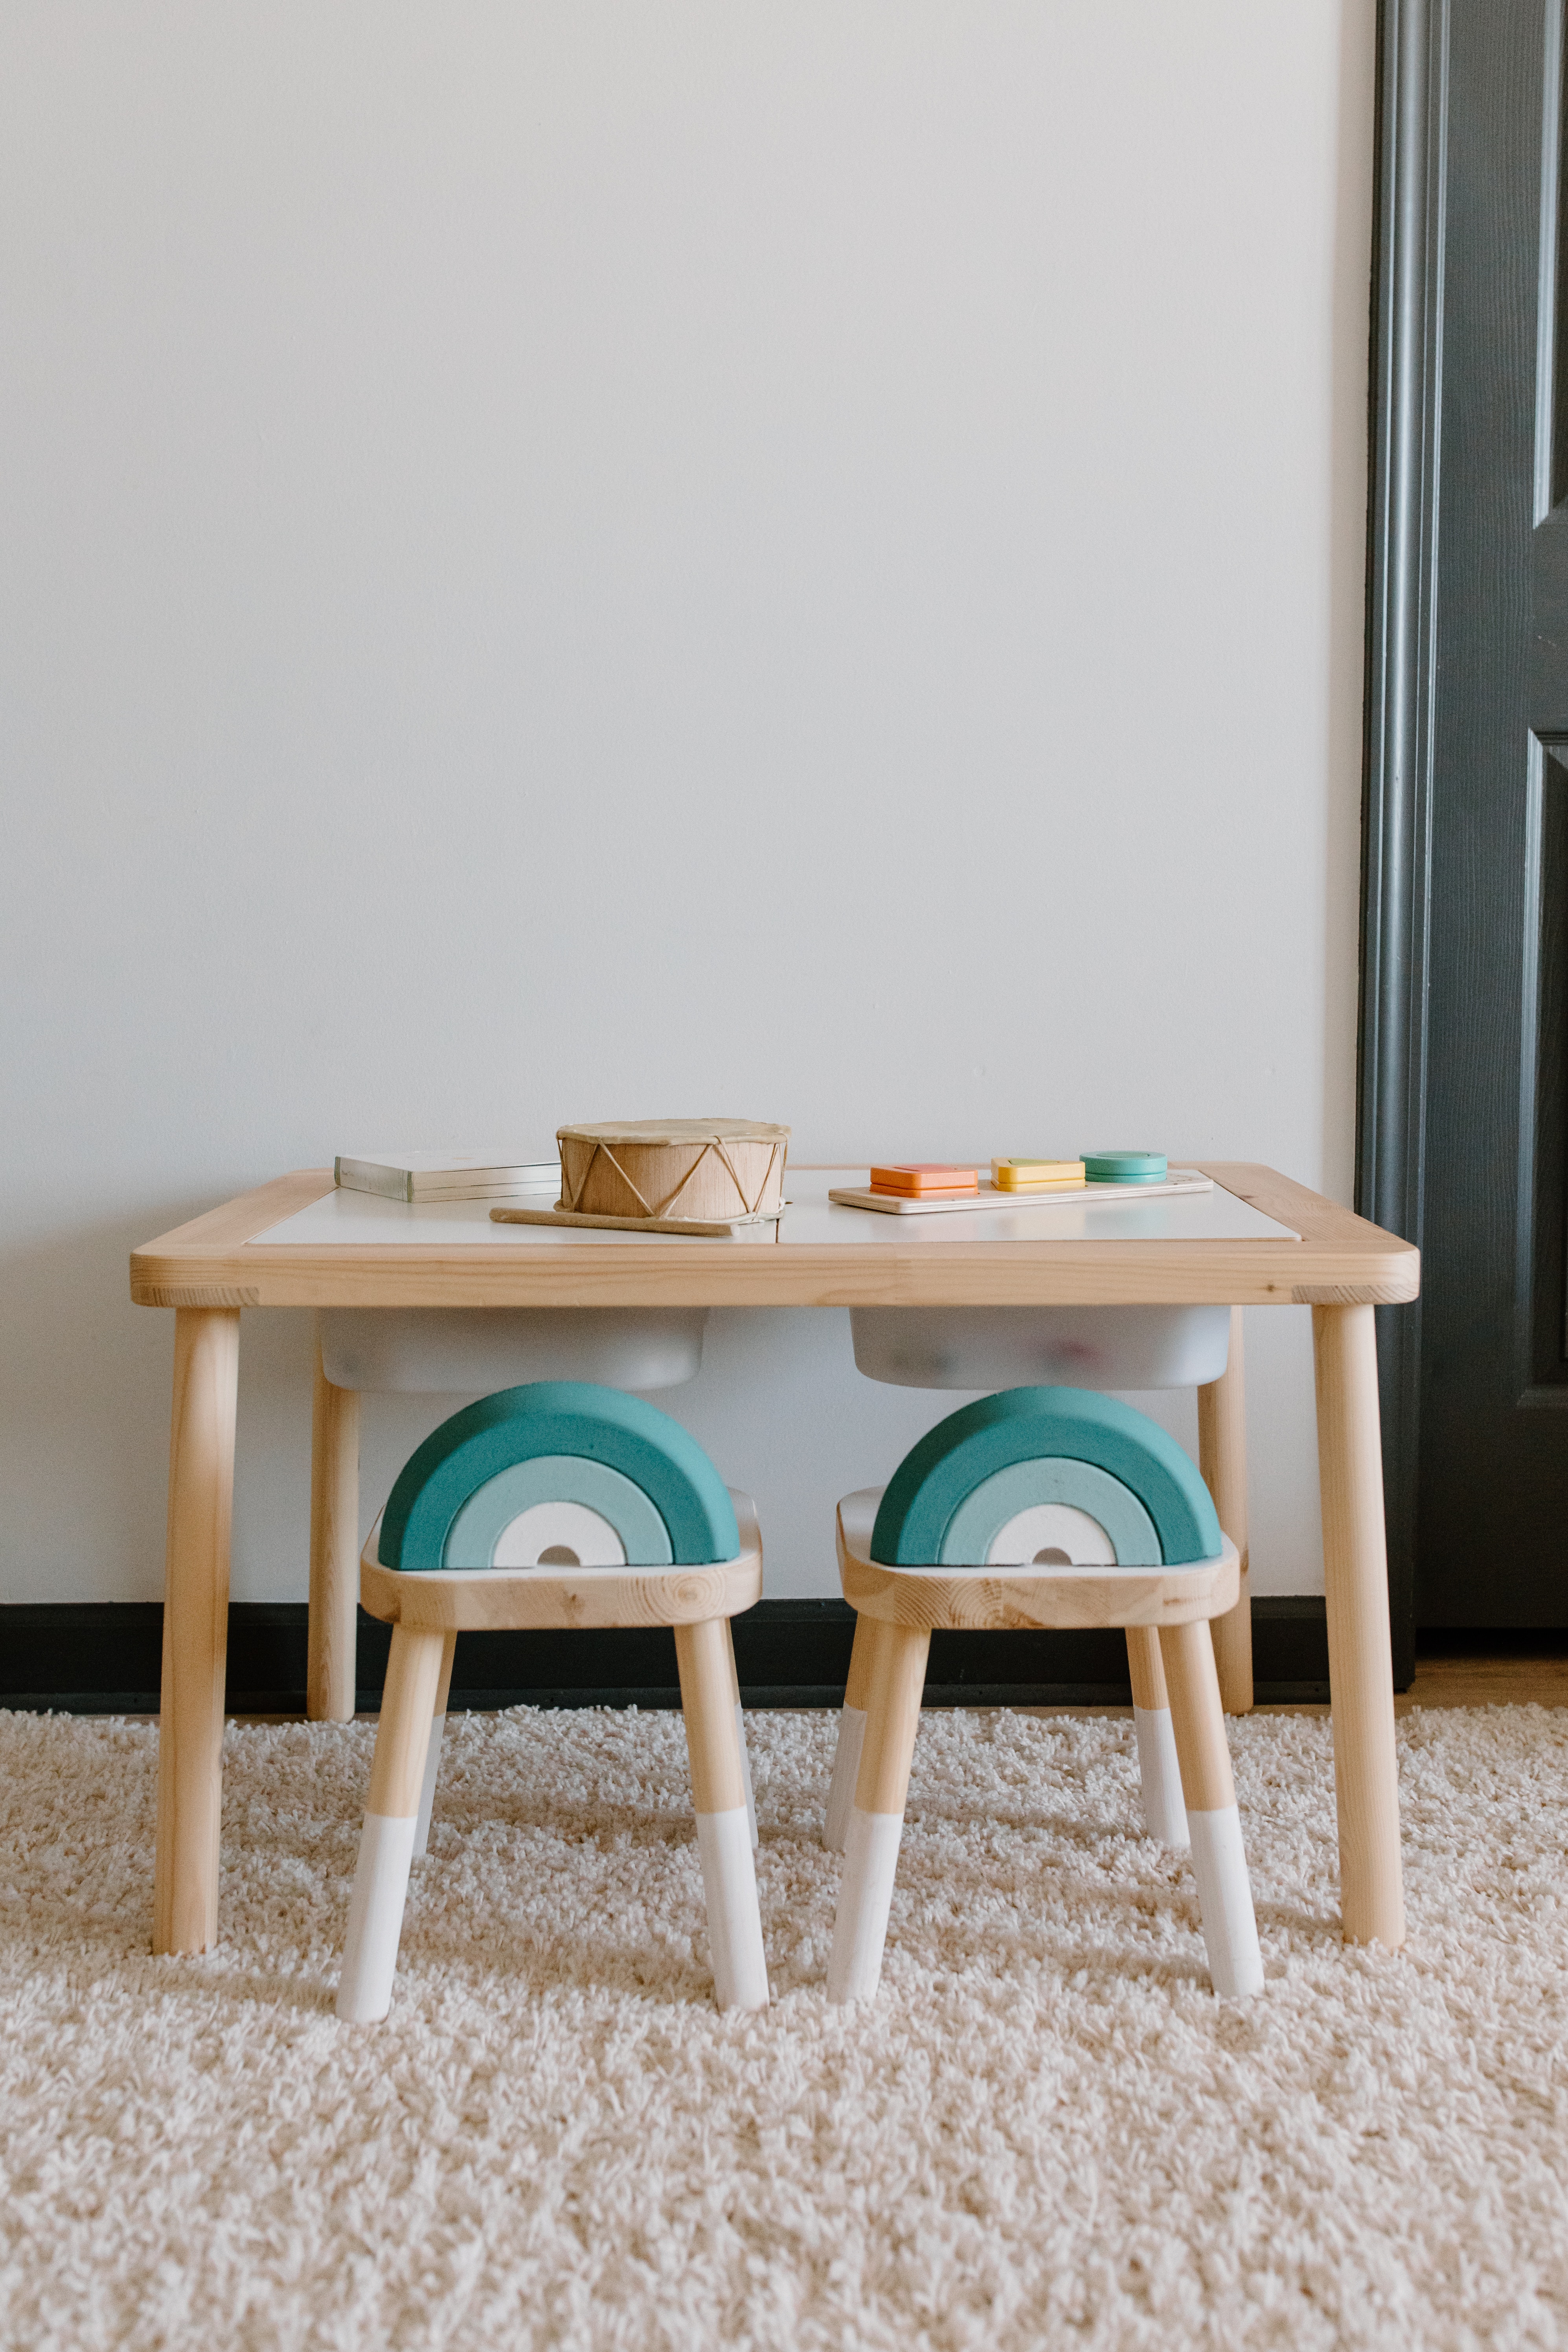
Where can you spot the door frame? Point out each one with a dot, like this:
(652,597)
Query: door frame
(1408,210)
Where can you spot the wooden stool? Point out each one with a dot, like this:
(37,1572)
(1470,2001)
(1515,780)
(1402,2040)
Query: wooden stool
(557,1561)
(974,1484)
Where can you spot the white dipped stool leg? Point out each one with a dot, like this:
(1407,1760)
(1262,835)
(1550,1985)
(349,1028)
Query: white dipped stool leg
(741,1734)
(876,1817)
(1164,1814)
(386,1844)
(865,1900)
(851,1736)
(432,1753)
(724,1821)
(376,1918)
(1225,1902)
(734,1921)
(1219,1862)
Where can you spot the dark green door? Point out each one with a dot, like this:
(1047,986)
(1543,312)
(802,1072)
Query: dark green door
(1465,1105)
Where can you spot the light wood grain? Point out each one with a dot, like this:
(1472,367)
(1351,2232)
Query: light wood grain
(490,1599)
(1222,1458)
(892,1718)
(334,1550)
(858,1688)
(1355,1584)
(481,1600)
(1145,1672)
(1197,1718)
(707,1703)
(407,1710)
(993,1599)
(728,1229)
(198,1293)
(1339,1256)
(195,1629)
(1469,1681)
(702,1169)
(443,1684)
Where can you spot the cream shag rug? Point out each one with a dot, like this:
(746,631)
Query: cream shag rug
(1047,2131)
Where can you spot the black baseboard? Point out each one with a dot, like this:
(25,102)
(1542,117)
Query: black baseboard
(103,1658)
(1492,1642)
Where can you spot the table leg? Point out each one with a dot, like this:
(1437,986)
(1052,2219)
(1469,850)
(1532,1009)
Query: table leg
(334,1550)
(1361,1665)
(1221,1457)
(196,1627)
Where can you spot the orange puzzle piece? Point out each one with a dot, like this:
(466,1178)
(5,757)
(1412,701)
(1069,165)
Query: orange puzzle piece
(924,1176)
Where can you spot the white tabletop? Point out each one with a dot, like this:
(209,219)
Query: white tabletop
(809,1219)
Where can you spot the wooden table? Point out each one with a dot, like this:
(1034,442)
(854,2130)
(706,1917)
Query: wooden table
(210,1269)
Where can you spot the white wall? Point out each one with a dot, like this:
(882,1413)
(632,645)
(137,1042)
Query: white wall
(598,560)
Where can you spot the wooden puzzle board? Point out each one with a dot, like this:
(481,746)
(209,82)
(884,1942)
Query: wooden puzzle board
(992,1196)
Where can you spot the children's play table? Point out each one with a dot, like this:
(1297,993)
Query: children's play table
(1257,1239)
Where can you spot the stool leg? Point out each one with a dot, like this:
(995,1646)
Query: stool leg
(708,1700)
(741,1734)
(1164,1815)
(432,1753)
(1219,1861)
(386,1846)
(1222,1459)
(876,1817)
(851,1736)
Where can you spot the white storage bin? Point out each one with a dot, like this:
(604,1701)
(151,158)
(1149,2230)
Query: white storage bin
(473,1350)
(1026,1347)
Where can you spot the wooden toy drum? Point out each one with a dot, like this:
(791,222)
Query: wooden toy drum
(705,1170)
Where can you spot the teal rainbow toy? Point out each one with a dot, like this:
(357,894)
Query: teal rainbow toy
(975,1472)
(555,1441)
